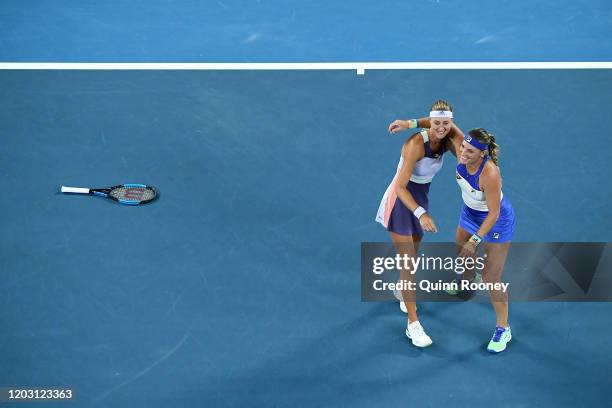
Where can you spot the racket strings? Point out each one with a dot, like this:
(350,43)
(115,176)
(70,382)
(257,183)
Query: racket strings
(133,193)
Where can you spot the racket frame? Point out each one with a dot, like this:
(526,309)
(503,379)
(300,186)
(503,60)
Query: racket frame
(105,192)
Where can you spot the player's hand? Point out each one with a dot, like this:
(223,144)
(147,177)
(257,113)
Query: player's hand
(398,126)
(428,223)
(469,250)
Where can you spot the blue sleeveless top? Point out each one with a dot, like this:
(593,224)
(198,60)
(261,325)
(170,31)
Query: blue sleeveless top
(472,179)
(473,197)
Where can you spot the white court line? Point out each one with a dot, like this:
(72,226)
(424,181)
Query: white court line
(360,67)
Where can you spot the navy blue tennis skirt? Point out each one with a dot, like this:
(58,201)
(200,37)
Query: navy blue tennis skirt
(401,220)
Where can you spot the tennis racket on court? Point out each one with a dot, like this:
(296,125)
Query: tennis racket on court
(131,194)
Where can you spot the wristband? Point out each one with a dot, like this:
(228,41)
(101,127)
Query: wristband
(419,211)
(476,239)
(413,123)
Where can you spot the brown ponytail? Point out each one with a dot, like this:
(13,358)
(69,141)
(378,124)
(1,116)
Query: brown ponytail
(488,139)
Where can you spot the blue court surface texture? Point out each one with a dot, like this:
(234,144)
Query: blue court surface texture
(240,285)
(304,31)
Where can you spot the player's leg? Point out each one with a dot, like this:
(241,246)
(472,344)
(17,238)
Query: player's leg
(416,240)
(405,245)
(461,238)
(496,254)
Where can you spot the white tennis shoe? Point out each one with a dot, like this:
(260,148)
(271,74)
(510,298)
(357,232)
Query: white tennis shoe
(398,294)
(404,309)
(416,333)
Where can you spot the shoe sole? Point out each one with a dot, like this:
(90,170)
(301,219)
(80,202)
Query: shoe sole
(416,345)
(499,351)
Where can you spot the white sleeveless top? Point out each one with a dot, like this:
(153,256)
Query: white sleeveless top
(423,173)
(426,168)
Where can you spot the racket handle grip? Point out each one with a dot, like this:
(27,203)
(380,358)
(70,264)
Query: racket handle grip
(77,190)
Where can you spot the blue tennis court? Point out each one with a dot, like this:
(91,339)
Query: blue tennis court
(240,285)
(297,31)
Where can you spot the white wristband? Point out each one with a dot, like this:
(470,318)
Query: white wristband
(419,211)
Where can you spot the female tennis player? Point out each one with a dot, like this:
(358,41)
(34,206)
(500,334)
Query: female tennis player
(487,216)
(403,208)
